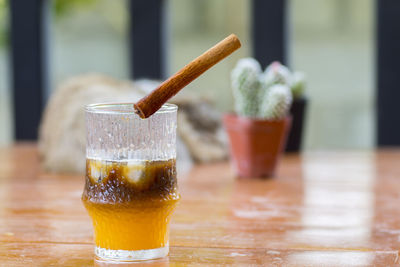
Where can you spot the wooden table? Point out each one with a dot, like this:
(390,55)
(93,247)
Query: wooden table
(323,209)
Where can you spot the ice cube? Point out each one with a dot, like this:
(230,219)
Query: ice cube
(98,170)
(135,172)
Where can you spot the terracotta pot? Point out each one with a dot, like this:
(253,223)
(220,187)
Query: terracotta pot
(256,145)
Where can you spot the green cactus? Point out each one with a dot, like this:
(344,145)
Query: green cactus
(298,84)
(263,95)
(246,84)
(276,73)
(276,102)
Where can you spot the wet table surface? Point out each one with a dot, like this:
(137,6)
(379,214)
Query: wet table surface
(322,209)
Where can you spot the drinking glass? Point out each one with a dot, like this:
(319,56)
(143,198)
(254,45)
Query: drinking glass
(130,186)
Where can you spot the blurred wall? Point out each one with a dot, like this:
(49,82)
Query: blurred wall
(332,41)
(88,36)
(192,33)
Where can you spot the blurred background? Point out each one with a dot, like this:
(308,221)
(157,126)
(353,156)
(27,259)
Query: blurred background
(332,41)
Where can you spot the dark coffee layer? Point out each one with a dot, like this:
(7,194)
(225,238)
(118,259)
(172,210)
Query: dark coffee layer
(121,182)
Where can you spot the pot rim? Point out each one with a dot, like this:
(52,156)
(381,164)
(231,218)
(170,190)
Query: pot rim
(234,116)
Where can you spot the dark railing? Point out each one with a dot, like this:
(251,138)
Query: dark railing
(147,22)
(269,31)
(28,66)
(147,19)
(388,72)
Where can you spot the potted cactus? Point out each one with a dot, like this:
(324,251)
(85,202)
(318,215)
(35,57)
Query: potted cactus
(259,128)
(276,73)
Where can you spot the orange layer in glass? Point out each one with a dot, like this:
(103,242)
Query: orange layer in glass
(131,227)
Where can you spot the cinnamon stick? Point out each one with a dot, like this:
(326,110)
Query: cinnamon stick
(153,101)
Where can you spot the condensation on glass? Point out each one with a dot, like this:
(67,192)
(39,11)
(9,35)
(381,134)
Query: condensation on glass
(114,132)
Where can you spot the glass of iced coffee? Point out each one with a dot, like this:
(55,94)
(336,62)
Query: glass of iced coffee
(131,188)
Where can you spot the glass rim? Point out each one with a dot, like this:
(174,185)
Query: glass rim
(117,108)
